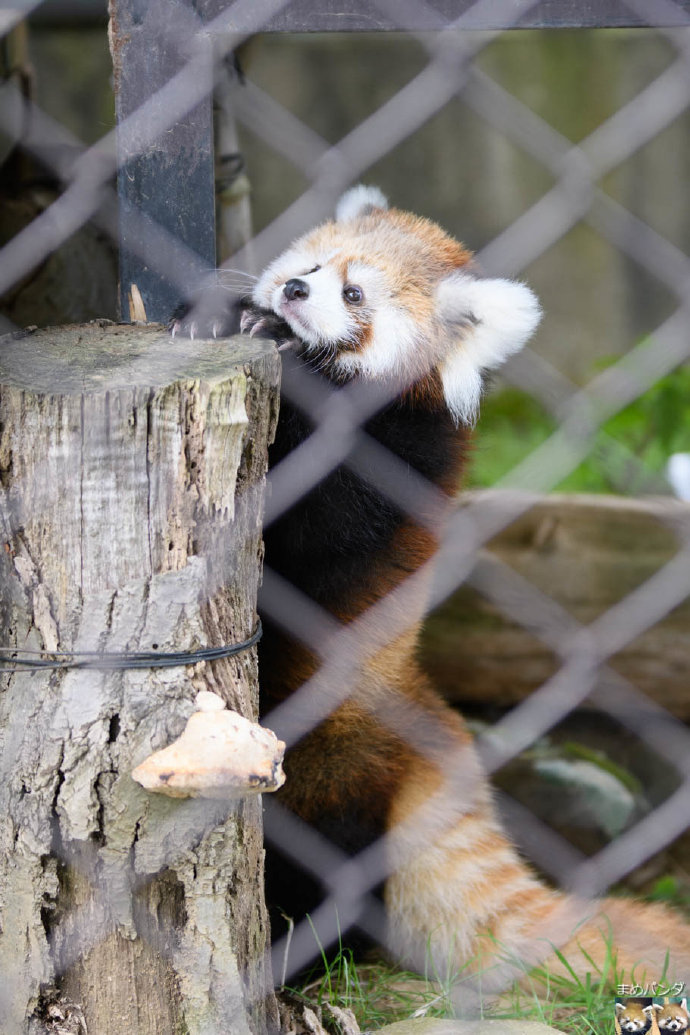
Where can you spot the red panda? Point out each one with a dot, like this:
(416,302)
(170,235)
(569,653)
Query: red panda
(673,1016)
(378,297)
(633,1016)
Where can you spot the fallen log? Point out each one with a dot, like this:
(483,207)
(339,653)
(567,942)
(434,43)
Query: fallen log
(562,564)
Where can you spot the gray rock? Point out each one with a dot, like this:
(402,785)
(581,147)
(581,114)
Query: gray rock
(594,796)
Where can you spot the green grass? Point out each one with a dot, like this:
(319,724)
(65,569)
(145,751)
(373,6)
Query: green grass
(379,994)
(673,891)
(627,455)
(376,992)
(575,1005)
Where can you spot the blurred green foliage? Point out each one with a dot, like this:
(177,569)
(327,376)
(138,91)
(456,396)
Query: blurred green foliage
(628,454)
(670,889)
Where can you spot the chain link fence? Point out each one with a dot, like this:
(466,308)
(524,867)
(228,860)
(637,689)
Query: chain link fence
(584,674)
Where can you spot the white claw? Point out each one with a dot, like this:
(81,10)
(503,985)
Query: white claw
(256,328)
(173,330)
(192,331)
(215,330)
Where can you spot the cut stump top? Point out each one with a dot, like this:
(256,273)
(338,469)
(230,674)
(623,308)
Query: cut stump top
(102,356)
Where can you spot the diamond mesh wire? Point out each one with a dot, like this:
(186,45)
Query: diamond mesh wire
(584,652)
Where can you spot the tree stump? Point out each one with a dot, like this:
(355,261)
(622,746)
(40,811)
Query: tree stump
(131,484)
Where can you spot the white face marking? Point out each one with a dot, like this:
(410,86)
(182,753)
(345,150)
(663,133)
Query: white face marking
(292,263)
(394,331)
(674,1023)
(323,316)
(470,325)
(632,1024)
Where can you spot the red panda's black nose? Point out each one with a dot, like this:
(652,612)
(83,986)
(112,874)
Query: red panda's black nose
(296,289)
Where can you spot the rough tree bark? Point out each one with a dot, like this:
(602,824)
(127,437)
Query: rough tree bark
(131,481)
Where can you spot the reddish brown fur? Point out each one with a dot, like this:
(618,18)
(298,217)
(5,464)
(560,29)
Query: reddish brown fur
(634,1014)
(672,1012)
(398,759)
(386,246)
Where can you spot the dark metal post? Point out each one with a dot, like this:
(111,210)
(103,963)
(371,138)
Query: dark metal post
(165,161)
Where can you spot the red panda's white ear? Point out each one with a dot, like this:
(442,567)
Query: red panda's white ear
(648,1010)
(489,320)
(359,201)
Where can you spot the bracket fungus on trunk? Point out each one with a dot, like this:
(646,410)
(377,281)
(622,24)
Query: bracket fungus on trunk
(219,754)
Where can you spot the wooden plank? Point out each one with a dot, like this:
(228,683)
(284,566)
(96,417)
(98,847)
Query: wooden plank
(365,16)
(495,642)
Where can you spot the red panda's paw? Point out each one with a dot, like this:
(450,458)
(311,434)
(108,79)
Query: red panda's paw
(263,322)
(214,314)
(251,323)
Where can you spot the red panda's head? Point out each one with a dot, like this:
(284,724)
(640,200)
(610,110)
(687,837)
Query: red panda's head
(633,1017)
(673,1016)
(381,293)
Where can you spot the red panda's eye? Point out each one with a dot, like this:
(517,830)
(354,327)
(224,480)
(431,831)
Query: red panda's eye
(314,270)
(353,294)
